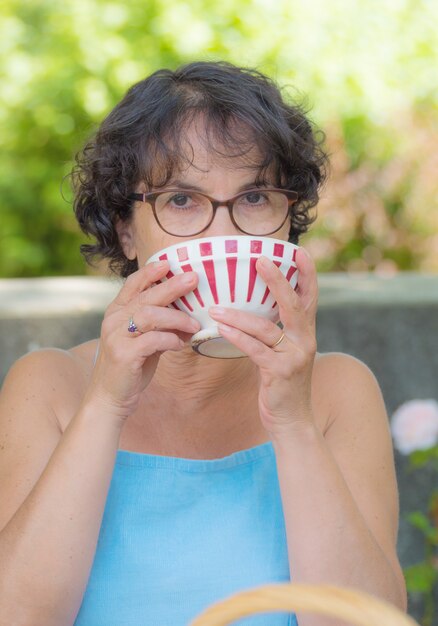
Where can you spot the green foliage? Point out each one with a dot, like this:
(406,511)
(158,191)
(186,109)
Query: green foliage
(423,523)
(420,458)
(368,69)
(421,578)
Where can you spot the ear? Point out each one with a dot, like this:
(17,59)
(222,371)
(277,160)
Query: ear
(126,238)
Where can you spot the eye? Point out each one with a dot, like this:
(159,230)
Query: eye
(180,199)
(254,197)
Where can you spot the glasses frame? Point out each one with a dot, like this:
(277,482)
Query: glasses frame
(150,198)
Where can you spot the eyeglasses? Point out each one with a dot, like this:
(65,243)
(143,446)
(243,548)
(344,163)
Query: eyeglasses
(186,212)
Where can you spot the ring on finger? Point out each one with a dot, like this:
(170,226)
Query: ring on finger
(132,328)
(278,341)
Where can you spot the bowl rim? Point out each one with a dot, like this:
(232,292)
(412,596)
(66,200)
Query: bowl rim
(174,246)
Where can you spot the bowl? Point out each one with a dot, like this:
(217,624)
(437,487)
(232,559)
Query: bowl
(227,277)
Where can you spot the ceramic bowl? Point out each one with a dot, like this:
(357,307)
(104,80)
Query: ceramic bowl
(226,267)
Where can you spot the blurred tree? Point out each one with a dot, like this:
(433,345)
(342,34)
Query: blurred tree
(368,69)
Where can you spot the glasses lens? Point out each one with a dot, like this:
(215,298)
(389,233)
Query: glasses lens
(260,212)
(256,212)
(183,213)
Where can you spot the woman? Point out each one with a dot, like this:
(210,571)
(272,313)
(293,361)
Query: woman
(143,482)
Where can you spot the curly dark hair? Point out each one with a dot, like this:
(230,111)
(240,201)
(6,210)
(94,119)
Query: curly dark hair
(142,140)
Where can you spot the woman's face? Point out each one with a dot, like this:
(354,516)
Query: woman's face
(220,178)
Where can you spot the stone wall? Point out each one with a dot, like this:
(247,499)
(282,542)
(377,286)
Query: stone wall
(389,323)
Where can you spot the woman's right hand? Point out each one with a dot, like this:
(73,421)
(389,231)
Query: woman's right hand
(127,361)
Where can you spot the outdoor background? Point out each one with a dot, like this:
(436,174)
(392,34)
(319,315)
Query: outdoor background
(367,73)
(366,70)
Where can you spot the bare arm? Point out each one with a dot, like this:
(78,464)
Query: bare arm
(54,485)
(47,546)
(340,494)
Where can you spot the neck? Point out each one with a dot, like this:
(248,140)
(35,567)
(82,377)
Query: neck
(201,380)
(203,404)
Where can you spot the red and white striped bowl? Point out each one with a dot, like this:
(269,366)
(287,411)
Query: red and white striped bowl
(227,276)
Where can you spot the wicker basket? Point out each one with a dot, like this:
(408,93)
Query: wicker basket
(350,605)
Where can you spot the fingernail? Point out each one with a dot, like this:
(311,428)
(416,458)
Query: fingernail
(158,264)
(218,310)
(187,278)
(264,261)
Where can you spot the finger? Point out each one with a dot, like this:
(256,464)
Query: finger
(151,318)
(292,313)
(158,341)
(139,281)
(170,290)
(259,327)
(307,288)
(257,351)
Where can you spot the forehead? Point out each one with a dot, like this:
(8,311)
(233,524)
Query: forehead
(202,148)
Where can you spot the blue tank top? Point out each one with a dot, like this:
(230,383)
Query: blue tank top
(180,534)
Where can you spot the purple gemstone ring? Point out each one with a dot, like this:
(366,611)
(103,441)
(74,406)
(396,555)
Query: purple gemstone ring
(132,328)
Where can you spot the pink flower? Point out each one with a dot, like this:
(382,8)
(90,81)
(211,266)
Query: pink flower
(414,425)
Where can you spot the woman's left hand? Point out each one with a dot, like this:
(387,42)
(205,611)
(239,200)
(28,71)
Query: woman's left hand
(285,370)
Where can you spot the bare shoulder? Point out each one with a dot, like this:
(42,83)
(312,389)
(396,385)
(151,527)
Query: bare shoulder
(52,376)
(342,380)
(343,369)
(39,368)
(330,363)
(30,429)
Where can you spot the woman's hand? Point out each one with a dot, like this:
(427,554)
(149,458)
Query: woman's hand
(127,360)
(285,370)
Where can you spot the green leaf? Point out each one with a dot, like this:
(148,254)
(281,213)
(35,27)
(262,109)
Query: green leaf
(420,578)
(419,458)
(422,522)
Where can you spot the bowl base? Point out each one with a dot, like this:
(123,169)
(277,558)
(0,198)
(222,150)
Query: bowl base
(209,342)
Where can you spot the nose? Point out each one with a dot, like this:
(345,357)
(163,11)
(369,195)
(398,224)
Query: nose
(221,224)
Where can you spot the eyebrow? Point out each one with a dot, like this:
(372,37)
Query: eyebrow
(186,185)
